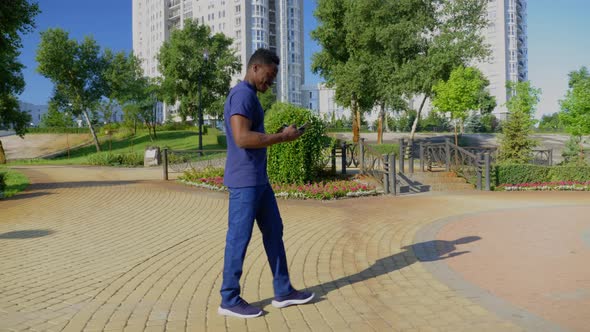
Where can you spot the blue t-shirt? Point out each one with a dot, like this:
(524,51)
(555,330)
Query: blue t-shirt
(244,167)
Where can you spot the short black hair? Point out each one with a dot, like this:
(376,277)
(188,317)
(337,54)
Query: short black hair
(263,56)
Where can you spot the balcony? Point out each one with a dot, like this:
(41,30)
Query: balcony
(174,14)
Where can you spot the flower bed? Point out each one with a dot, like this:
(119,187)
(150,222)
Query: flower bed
(320,190)
(548,186)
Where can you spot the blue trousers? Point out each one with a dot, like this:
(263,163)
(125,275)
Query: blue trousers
(246,205)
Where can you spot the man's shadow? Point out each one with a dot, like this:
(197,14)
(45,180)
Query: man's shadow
(428,251)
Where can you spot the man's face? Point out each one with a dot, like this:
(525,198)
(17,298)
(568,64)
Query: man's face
(265,76)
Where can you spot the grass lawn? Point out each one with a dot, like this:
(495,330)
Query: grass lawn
(15,181)
(175,140)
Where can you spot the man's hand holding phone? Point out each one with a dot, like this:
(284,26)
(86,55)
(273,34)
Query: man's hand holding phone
(291,133)
(303,127)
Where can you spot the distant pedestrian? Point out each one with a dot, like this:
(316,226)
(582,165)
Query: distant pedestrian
(250,195)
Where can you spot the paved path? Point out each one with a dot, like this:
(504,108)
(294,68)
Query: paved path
(105,249)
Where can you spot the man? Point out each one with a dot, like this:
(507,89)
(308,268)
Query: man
(250,194)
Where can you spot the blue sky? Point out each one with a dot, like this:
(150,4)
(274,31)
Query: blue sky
(557,31)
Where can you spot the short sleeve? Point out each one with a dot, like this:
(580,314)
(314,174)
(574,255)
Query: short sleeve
(242,103)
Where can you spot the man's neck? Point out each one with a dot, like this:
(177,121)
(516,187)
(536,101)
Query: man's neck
(249,80)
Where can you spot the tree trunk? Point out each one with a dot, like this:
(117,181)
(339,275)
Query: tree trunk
(415,125)
(355,121)
(456,146)
(2,155)
(380,125)
(85,113)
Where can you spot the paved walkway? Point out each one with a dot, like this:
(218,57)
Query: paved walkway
(105,249)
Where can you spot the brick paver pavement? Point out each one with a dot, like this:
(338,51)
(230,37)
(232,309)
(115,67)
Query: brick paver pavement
(105,249)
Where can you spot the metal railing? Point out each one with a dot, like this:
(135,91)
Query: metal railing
(474,164)
(177,161)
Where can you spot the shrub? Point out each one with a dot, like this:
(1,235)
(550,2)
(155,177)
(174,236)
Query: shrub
(222,140)
(60,130)
(386,148)
(520,173)
(115,159)
(212,178)
(196,174)
(12,182)
(526,173)
(171,125)
(569,173)
(298,161)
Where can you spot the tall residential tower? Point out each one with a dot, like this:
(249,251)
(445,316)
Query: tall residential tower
(507,36)
(273,24)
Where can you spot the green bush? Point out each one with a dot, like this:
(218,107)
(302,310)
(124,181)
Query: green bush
(520,173)
(60,130)
(11,182)
(386,148)
(116,159)
(526,173)
(196,174)
(222,140)
(569,173)
(301,160)
(171,125)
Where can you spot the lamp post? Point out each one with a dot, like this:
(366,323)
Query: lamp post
(200,110)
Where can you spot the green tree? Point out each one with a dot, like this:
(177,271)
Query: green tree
(464,91)
(267,99)
(337,63)
(378,52)
(137,94)
(107,109)
(56,117)
(577,76)
(76,69)
(575,108)
(450,37)
(550,122)
(194,61)
(146,102)
(516,144)
(16,19)
(434,122)
(571,151)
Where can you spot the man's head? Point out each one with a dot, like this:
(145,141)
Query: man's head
(262,69)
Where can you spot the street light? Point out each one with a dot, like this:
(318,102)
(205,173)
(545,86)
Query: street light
(200,111)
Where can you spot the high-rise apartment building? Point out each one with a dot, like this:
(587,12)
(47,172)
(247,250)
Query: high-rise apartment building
(273,24)
(507,36)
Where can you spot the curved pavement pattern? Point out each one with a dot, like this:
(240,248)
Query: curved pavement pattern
(104,249)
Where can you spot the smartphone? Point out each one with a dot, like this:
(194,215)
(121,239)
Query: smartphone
(303,127)
(282,128)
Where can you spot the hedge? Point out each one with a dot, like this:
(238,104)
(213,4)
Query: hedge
(526,173)
(222,140)
(298,161)
(60,130)
(130,159)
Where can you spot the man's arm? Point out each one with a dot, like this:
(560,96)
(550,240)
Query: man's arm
(248,139)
